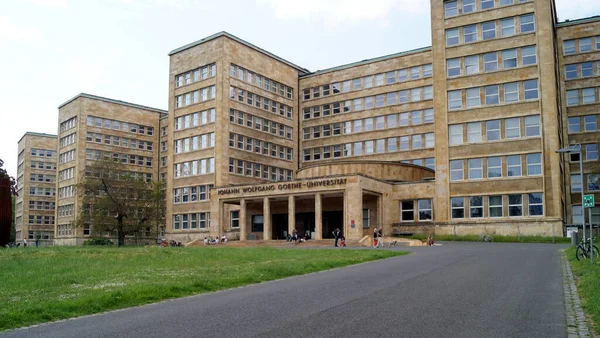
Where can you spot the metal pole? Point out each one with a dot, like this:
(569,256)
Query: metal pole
(581,177)
(591,237)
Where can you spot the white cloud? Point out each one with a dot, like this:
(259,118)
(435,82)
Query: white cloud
(49,3)
(338,11)
(576,9)
(13,32)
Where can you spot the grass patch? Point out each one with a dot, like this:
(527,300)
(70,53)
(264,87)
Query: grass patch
(587,277)
(47,284)
(502,239)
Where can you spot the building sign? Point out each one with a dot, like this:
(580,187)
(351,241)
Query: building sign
(588,201)
(283,186)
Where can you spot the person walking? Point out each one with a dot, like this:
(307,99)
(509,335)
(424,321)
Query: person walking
(25,242)
(336,235)
(380,237)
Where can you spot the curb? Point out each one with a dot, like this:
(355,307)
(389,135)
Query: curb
(577,325)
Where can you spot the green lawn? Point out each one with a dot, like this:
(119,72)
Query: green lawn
(503,239)
(587,277)
(40,285)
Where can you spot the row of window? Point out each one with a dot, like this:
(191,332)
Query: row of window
(578,215)
(420,210)
(195,75)
(260,102)
(119,141)
(506,93)
(495,206)
(259,123)
(454,7)
(43,152)
(258,170)
(582,45)
(68,124)
(41,205)
(389,145)
(495,130)
(260,147)
(194,119)
(67,156)
(67,140)
(66,174)
(66,210)
(147,177)
(492,167)
(66,192)
(195,97)
(593,182)
(193,168)
(96,155)
(580,96)
(42,178)
(193,221)
(38,191)
(490,30)
(590,124)
(589,153)
(261,81)
(105,123)
(582,70)
(425,162)
(491,62)
(413,118)
(64,230)
(388,78)
(370,102)
(194,143)
(192,194)
(37,219)
(43,165)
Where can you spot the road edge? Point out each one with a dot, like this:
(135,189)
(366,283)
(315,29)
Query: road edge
(577,324)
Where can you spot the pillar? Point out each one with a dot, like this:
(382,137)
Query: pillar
(267,231)
(243,230)
(353,211)
(318,216)
(291,214)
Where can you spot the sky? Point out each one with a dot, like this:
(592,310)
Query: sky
(52,50)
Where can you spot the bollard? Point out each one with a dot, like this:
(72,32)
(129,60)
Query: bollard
(575,238)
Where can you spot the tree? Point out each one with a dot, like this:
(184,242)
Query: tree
(115,200)
(8,188)
(13,231)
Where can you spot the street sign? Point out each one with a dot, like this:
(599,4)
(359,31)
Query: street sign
(588,201)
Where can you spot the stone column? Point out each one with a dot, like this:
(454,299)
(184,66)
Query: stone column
(267,231)
(291,214)
(318,216)
(243,230)
(353,211)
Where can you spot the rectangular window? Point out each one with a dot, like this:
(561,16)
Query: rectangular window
(470,33)
(429,140)
(452,38)
(494,167)
(574,125)
(534,164)
(536,204)
(416,142)
(454,99)
(589,95)
(487,4)
(572,97)
(507,27)
(587,69)
(457,170)
(509,58)
(527,23)
(593,182)
(453,67)
(491,95)
(515,205)
(528,56)
(511,92)
(495,206)
(569,47)
(575,183)
(392,144)
(490,62)
(475,168)
(513,166)
(425,210)
(512,128)
(571,72)
(473,97)
(492,129)
(474,132)
(591,152)
(468,6)
(456,134)
(458,207)
(472,64)
(402,75)
(475,207)
(585,45)
(489,30)
(234,219)
(451,8)
(390,77)
(532,126)
(407,211)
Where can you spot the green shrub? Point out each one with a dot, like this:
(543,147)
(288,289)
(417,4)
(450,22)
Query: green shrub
(98,241)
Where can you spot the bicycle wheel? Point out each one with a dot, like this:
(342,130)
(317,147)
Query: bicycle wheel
(596,252)
(580,253)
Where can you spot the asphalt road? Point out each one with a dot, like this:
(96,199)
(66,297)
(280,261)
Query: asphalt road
(453,290)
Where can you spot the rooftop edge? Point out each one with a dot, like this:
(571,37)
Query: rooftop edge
(100,98)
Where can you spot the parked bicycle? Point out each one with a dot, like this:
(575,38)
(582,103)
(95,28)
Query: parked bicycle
(584,250)
(486,238)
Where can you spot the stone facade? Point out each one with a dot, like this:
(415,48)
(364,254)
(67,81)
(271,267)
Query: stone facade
(97,127)
(36,188)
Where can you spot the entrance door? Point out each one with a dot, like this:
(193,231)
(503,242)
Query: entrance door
(280,226)
(331,221)
(305,222)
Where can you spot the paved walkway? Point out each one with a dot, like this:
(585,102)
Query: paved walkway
(453,290)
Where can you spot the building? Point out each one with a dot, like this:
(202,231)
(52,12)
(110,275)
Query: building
(36,188)
(459,137)
(91,128)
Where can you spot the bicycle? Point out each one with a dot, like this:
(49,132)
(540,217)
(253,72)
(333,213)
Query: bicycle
(486,238)
(584,250)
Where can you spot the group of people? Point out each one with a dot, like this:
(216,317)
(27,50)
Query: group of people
(210,240)
(337,234)
(294,238)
